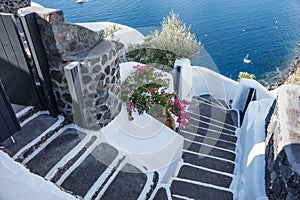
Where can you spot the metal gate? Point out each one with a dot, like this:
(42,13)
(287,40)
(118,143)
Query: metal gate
(16,75)
(15,72)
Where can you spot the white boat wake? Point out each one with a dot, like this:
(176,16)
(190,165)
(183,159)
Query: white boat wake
(246,59)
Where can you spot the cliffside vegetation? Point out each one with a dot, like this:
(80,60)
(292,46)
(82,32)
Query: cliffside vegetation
(175,40)
(294,78)
(245,75)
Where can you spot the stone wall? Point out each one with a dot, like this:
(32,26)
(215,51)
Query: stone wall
(101,85)
(283,147)
(100,76)
(12,6)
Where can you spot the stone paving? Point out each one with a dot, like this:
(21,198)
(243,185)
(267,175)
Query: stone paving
(82,164)
(90,169)
(197,191)
(29,132)
(128,184)
(44,161)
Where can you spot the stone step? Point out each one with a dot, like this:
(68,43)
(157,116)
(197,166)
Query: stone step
(210,111)
(86,174)
(208,162)
(210,133)
(194,191)
(209,98)
(71,161)
(221,103)
(178,198)
(128,184)
(204,176)
(23,112)
(197,100)
(29,132)
(206,102)
(161,194)
(213,121)
(217,113)
(46,159)
(206,106)
(18,108)
(209,141)
(211,125)
(208,150)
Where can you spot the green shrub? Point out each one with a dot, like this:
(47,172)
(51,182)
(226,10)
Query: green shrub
(245,75)
(109,30)
(151,56)
(175,40)
(175,37)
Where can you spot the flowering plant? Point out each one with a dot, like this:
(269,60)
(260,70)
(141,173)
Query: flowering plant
(142,75)
(146,91)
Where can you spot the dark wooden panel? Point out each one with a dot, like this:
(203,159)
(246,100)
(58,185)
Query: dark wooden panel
(15,72)
(22,65)
(5,132)
(8,73)
(34,41)
(8,120)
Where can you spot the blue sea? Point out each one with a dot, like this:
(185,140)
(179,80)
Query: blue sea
(267,30)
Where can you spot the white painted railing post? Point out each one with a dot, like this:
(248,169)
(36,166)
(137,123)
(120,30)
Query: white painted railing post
(185,81)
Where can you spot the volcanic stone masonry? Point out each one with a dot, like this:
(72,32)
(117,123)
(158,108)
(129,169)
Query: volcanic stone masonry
(283,146)
(99,68)
(101,85)
(12,6)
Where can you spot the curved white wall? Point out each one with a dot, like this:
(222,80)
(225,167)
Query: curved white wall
(196,80)
(17,182)
(251,168)
(208,81)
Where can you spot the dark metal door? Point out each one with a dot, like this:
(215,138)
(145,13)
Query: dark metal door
(15,71)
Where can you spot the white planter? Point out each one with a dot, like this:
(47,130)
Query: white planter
(144,140)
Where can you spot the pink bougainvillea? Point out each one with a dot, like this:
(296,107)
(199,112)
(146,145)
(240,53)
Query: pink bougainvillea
(146,91)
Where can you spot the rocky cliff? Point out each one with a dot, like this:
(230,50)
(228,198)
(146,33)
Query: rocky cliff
(283,146)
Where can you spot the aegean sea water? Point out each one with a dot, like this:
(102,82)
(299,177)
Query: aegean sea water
(268,31)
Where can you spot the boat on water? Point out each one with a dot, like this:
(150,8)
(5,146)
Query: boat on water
(246,59)
(81,1)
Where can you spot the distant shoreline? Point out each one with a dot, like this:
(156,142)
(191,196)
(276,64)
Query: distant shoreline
(293,68)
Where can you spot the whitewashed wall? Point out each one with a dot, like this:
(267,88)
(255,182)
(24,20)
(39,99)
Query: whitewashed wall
(251,171)
(199,80)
